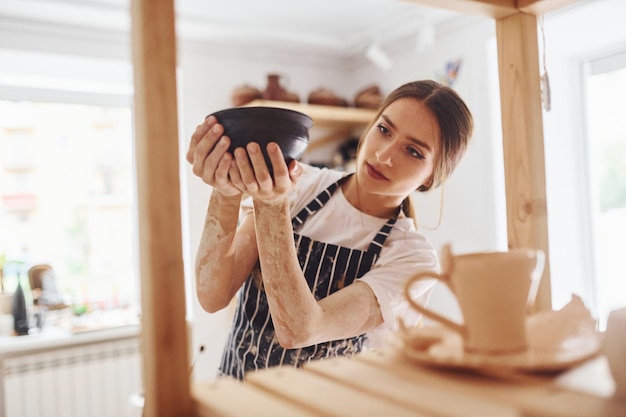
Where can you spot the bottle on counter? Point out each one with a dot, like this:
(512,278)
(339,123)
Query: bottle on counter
(20,313)
(38,314)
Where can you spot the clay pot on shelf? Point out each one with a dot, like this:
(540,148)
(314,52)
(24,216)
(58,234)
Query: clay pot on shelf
(326,97)
(245,94)
(275,90)
(369,98)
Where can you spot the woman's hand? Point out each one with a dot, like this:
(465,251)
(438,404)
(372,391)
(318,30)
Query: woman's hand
(251,175)
(209,156)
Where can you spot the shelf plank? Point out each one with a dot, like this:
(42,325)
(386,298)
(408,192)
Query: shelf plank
(398,388)
(486,8)
(537,395)
(228,397)
(324,116)
(324,396)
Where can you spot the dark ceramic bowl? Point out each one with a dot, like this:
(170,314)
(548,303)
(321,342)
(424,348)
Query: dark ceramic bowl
(288,128)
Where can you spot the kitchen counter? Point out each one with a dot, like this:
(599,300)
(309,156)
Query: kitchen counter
(55,338)
(66,330)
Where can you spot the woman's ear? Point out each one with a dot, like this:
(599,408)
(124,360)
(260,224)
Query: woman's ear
(426,186)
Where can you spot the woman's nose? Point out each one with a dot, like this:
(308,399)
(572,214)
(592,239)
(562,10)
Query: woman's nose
(383,156)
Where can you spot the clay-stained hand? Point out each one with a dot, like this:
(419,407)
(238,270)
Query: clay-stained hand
(208,154)
(251,175)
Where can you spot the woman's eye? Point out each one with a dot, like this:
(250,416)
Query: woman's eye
(382,129)
(414,152)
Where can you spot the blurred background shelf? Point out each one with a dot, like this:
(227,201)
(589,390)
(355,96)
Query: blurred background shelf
(324,116)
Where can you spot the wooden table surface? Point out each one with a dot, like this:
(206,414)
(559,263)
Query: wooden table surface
(384,383)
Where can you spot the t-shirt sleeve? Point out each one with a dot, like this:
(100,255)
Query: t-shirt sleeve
(400,260)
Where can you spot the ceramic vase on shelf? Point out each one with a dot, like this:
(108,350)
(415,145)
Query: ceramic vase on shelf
(244,94)
(20,313)
(275,91)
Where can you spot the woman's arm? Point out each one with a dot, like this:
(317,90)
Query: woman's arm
(299,319)
(226,254)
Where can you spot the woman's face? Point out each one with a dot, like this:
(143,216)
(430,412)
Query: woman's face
(398,152)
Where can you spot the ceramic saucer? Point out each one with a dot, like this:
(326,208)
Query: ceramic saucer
(557,340)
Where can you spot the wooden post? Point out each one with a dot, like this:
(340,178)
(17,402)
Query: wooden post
(164,333)
(522,131)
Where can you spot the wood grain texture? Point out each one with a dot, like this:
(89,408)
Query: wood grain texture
(522,135)
(542,399)
(406,388)
(228,397)
(324,396)
(164,333)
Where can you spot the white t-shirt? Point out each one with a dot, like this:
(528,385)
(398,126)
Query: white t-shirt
(405,252)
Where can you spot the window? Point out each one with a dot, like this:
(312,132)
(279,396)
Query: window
(67,198)
(584,134)
(605,89)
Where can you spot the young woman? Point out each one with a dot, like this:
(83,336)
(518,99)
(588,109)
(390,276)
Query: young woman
(319,257)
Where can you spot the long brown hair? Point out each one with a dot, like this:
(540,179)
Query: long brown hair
(456,125)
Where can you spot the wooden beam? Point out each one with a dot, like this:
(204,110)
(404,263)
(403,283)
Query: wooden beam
(522,131)
(486,8)
(497,8)
(541,7)
(164,333)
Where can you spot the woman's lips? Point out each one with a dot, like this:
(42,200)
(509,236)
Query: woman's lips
(374,173)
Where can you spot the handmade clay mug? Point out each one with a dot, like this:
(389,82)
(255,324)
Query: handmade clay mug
(494,291)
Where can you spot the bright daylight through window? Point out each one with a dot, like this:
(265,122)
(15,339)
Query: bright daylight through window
(606,145)
(67,201)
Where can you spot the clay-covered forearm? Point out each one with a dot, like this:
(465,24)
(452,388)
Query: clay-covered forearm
(216,255)
(295,312)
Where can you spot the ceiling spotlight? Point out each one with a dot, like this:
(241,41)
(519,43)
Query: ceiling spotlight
(425,36)
(378,57)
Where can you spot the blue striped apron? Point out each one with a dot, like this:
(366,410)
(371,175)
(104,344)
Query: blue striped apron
(252,343)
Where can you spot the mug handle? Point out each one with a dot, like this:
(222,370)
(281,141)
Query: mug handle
(445,278)
(536,274)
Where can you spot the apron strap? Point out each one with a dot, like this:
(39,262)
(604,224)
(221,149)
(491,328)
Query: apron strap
(322,198)
(317,203)
(382,235)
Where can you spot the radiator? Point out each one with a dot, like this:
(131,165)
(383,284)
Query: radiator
(95,380)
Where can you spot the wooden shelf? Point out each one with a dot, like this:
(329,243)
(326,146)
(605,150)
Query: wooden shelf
(324,116)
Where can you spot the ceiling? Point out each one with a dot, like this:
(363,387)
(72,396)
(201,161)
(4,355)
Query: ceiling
(341,27)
